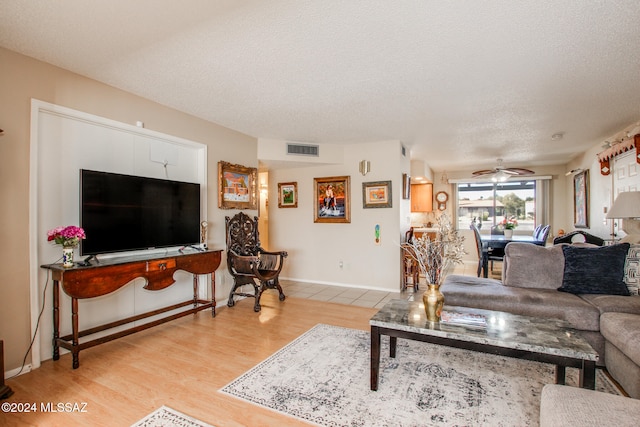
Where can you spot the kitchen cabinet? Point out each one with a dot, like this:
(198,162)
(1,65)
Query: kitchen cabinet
(421,197)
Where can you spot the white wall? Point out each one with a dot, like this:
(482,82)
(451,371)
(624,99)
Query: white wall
(601,194)
(65,141)
(317,249)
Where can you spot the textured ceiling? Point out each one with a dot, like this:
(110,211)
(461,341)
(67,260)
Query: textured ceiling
(460,83)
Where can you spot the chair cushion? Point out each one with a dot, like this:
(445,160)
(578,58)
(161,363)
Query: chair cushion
(595,270)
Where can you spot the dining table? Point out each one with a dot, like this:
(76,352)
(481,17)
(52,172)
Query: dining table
(499,241)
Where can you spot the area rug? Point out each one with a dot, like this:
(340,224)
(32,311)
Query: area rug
(167,417)
(323,377)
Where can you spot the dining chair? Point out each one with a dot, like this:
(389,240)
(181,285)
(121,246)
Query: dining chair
(484,254)
(537,230)
(410,269)
(497,230)
(542,235)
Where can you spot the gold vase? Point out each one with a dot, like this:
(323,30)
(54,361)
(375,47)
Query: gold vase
(433,301)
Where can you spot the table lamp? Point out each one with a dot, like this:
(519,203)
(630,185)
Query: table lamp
(627,207)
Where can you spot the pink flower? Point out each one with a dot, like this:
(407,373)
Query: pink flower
(66,236)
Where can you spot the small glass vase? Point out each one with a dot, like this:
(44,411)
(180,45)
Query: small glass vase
(67,256)
(433,302)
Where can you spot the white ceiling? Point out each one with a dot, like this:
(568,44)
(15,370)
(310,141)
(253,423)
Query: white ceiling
(460,83)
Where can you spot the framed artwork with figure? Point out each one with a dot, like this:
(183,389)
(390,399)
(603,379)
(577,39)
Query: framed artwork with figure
(332,199)
(581,199)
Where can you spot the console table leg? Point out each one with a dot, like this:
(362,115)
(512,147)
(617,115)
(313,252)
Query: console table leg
(213,294)
(56,319)
(76,336)
(375,357)
(195,290)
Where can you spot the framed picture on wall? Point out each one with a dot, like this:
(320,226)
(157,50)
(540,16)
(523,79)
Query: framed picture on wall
(376,194)
(332,198)
(287,194)
(236,186)
(581,199)
(406,186)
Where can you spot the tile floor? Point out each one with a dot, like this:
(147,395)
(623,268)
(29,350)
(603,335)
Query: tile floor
(356,296)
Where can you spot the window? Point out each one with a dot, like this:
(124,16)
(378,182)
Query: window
(488,203)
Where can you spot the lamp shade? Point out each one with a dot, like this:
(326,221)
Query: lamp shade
(626,205)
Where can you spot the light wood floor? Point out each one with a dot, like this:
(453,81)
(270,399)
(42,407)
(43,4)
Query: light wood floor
(181,364)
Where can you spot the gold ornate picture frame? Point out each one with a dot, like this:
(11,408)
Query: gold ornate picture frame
(236,186)
(332,198)
(287,194)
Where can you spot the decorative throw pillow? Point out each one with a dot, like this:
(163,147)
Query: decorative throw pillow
(595,270)
(532,266)
(632,269)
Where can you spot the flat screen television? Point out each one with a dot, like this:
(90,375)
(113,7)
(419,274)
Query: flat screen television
(126,213)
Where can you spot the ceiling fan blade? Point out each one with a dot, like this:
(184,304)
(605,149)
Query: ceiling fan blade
(483,172)
(519,171)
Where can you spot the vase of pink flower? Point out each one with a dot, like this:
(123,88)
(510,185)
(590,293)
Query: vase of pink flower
(509,225)
(69,237)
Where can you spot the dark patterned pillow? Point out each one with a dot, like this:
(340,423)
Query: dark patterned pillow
(595,270)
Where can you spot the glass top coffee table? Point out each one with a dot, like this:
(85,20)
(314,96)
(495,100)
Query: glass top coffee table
(495,332)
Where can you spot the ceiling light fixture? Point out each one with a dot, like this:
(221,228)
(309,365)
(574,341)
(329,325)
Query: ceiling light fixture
(557,136)
(500,176)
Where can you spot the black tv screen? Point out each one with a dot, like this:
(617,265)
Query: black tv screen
(126,213)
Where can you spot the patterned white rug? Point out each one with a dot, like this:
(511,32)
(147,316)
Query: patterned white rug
(167,417)
(323,377)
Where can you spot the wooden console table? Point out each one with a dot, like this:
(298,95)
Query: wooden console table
(104,277)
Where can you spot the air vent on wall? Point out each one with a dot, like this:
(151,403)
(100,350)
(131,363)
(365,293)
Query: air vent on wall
(303,150)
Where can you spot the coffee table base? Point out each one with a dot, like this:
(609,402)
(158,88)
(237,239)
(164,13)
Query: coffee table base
(587,367)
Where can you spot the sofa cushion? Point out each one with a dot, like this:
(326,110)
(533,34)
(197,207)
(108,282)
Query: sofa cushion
(562,405)
(490,294)
(632,269)
(614,303)
(623,331)
(532,266)
(595,270)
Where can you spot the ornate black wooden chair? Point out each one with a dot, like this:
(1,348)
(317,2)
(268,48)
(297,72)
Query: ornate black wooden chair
(248,262)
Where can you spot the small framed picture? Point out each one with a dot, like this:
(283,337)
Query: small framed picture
(236,186)
(332,199)
(376,194)
(287,194)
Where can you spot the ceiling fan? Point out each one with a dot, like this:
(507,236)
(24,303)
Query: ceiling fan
(501,173)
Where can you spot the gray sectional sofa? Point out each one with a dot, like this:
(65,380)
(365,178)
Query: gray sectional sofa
(608,315)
